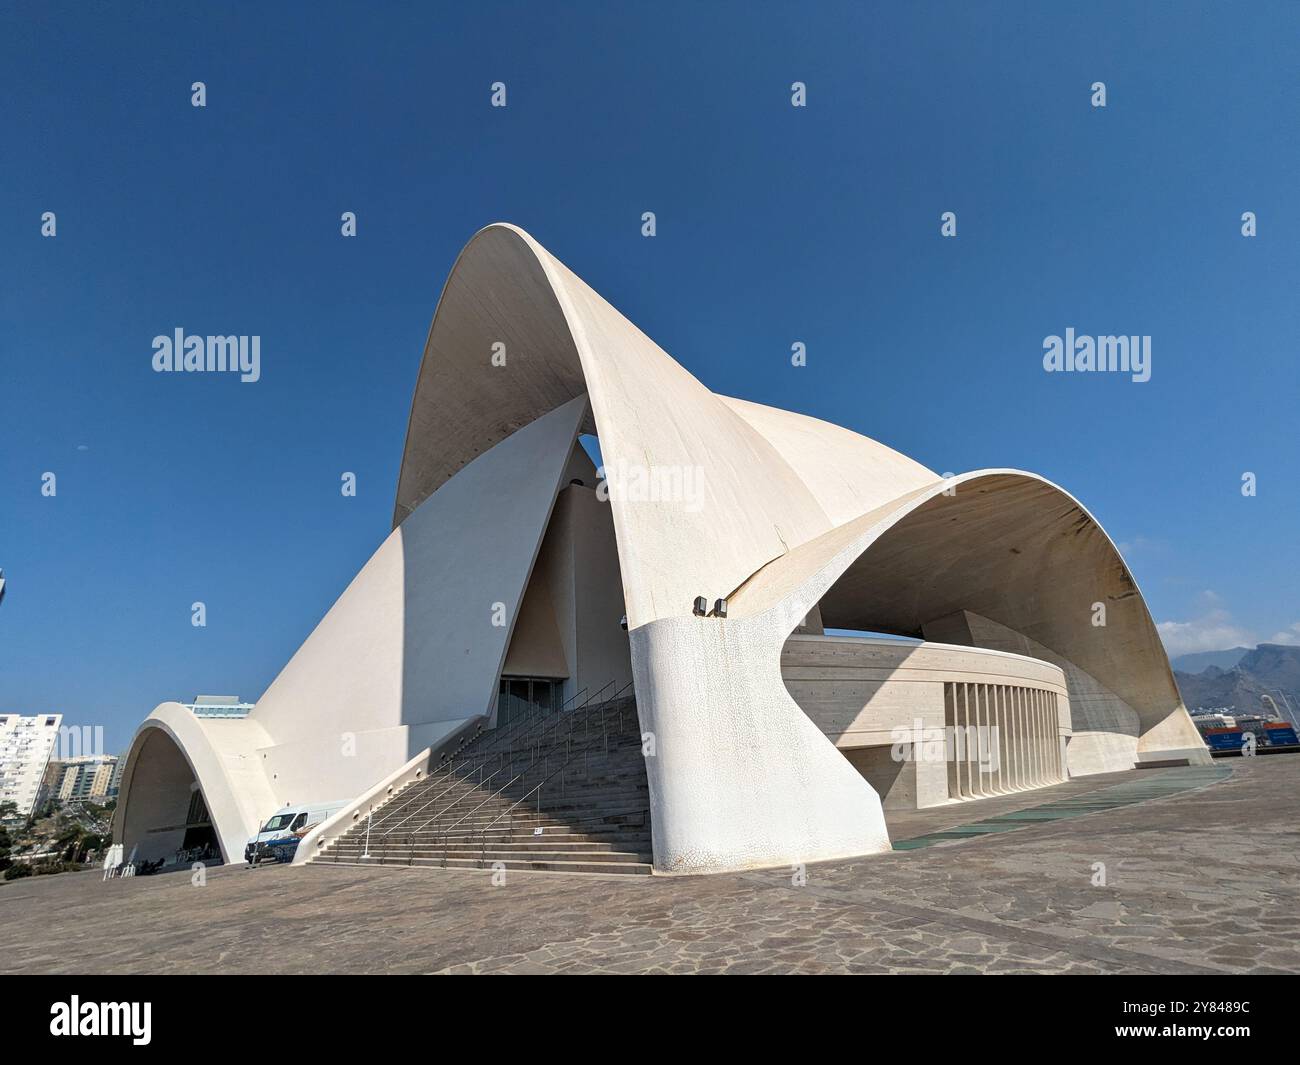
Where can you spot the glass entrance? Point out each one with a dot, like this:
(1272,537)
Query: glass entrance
(519,697)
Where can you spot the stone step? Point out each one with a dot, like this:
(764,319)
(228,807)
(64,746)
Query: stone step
(592,814)
(568,865)
(587,784)
(617,749)
(631,835)
(492,854)
(622,823)
(576,780)
(525,780)
(606,803)
(498,847)
(523,833)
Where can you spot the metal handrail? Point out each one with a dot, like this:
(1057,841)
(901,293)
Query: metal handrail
(554,718)
(507,753)
(571,718)
(529,718)
(446,832)
(538,789)
(524,772)
(452,766)
(413,809)
(389,831)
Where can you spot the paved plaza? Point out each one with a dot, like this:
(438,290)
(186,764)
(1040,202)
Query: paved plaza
(1204,880)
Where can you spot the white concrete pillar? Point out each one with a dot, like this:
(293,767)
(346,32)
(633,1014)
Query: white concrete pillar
(740,777)
(1013,736)
(972,738)
(1004,769)
(953,763)
(1036,739)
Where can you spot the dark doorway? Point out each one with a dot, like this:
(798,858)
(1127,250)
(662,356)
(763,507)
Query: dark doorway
(520,697)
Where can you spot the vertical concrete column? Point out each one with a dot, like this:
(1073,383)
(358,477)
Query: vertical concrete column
(959,743)
(962,749)
(1053,735)
(1036,739)
(1022,750)
(1009,739)
(1046,742)
(1054,708)
(1026,738)
(1039,746)
(1061,766)
(1049,737)
(990,738)
(954,774)
(1051,731)
(1015,740)
(1032,735)
(1004,784)
(741,777)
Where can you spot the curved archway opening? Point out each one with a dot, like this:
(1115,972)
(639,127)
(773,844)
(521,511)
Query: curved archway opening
(165,817)
(1005,567)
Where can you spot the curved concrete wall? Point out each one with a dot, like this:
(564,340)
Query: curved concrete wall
(718,803)
(893,708)
(858,691)
(1105,728)
(1023,553)
(407,654)
(411,648)
(1010,546)
(171,753)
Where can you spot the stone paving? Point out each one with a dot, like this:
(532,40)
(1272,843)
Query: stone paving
(1205,881)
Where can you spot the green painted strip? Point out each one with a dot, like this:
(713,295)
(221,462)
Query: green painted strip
(1169,782)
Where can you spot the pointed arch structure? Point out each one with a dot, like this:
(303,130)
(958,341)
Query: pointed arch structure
(777,514)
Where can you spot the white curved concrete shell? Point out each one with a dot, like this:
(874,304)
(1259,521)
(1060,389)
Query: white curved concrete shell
(792,521)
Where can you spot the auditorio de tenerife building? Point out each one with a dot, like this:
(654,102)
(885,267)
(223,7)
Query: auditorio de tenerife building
(705,569)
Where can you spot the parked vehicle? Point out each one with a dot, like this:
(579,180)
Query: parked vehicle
(278,839)
(1268,737)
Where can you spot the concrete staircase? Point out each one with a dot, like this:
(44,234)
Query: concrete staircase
(563,792)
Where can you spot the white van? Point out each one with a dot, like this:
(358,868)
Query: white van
(279,837)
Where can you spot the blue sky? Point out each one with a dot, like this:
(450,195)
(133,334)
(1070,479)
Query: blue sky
(775,224)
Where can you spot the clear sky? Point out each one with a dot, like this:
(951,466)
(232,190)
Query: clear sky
(776,224)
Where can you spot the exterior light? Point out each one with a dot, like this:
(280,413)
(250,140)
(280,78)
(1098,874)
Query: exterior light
(701,606)
(622,623)
(719,608)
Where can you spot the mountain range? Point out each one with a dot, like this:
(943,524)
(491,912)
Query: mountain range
(1198,660)
(1270,668)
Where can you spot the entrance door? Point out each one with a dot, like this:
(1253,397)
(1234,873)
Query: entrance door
(520,697)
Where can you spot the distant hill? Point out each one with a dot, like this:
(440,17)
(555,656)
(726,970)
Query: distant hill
(1194,663)
(1268,667)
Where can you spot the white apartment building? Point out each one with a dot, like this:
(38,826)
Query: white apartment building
(26,744)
